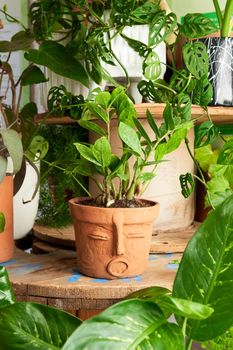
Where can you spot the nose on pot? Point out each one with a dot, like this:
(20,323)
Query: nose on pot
(118,221)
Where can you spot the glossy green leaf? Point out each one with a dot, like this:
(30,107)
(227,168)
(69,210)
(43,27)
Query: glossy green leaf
(152,123)
(196,58)
(219,189)
(129,136)
(56,57)
(6,294)
(222,170)
(3,167)
(152,67)
(92,127)
(98,111)
(196,25)
(26,326)
(150,293)
(32,75)
(168,116)
(86,153)
(2,222)
(206,133)
(146,328)
(203,92)
(102,151)
(145,177)
(103,99)
(206,156)
(226,153)
(205,273)
(12,141)
(142,131)
(20,41)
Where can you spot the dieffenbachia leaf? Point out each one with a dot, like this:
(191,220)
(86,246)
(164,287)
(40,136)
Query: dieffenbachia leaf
(130,324)
(205,274)
(34,326)
(6,294)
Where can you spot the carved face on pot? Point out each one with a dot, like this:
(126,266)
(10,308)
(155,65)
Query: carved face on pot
(113,243)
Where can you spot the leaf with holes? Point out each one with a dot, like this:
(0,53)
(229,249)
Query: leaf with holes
(196,25)
(205,273)
(160,27)
(152,66)
(196,58)
(145,13)
(206,133)
(129,324)
(182,107)
(187,184)
(203,92)
(139,47)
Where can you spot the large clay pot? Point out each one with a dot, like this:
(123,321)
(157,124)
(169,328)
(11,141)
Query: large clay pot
(112,242)
(220,52)
(6,207)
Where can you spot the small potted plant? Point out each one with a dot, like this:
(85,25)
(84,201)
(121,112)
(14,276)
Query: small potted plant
(113,231)
(219,43)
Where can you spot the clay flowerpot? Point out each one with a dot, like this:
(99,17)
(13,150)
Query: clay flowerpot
(112,242)
(6,207)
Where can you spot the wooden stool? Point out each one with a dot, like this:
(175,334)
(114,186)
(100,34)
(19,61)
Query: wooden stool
(53,279)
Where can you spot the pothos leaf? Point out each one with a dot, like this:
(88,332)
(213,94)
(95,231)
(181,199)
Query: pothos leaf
(196,58)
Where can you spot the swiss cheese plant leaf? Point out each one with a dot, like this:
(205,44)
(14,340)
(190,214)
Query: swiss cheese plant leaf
(86,153)
(3,167)
(6,294)
(34,326)
(206,133)
(196,58)
(182,107)
(139,47)
(20,41)
(160,27)
(186,184)
(205,274)
(102,151)
(152,67)
(129,324)
(38,147)
(203,92)
(32,75)
(12,142)
(129,136)
(144,13)
(196,25)
(2,222)
(57,58)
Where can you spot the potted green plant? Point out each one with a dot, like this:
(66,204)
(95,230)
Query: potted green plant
(219,47)
(123,179)
(21,118)
(200,303)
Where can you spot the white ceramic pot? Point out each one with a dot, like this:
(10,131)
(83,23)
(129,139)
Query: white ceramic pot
(25,209)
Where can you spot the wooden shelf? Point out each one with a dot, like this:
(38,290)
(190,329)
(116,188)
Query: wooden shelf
(219,115)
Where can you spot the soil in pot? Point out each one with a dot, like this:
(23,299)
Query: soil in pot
(112,242)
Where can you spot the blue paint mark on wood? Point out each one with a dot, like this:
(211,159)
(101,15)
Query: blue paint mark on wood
(172,266)
(76,277)
(8,263)
(137,278)
(99,280)
(151,258)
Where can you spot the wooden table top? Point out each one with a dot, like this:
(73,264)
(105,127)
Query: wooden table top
(54,275)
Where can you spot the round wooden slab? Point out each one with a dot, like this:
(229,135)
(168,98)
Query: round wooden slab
(162,241)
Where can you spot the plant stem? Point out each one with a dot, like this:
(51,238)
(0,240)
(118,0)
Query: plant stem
(189,344)
(226,27)
(218,12)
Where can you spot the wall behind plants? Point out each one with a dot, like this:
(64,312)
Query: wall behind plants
(182,7)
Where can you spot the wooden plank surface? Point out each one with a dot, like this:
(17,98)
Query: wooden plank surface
(54,276)
(169,241)
(219,115)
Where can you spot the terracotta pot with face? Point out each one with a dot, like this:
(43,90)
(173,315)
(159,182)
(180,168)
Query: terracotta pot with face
(6,207)
(112,242)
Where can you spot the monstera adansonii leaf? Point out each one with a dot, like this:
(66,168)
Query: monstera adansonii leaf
(130,324)
(205,273)
(27,326)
